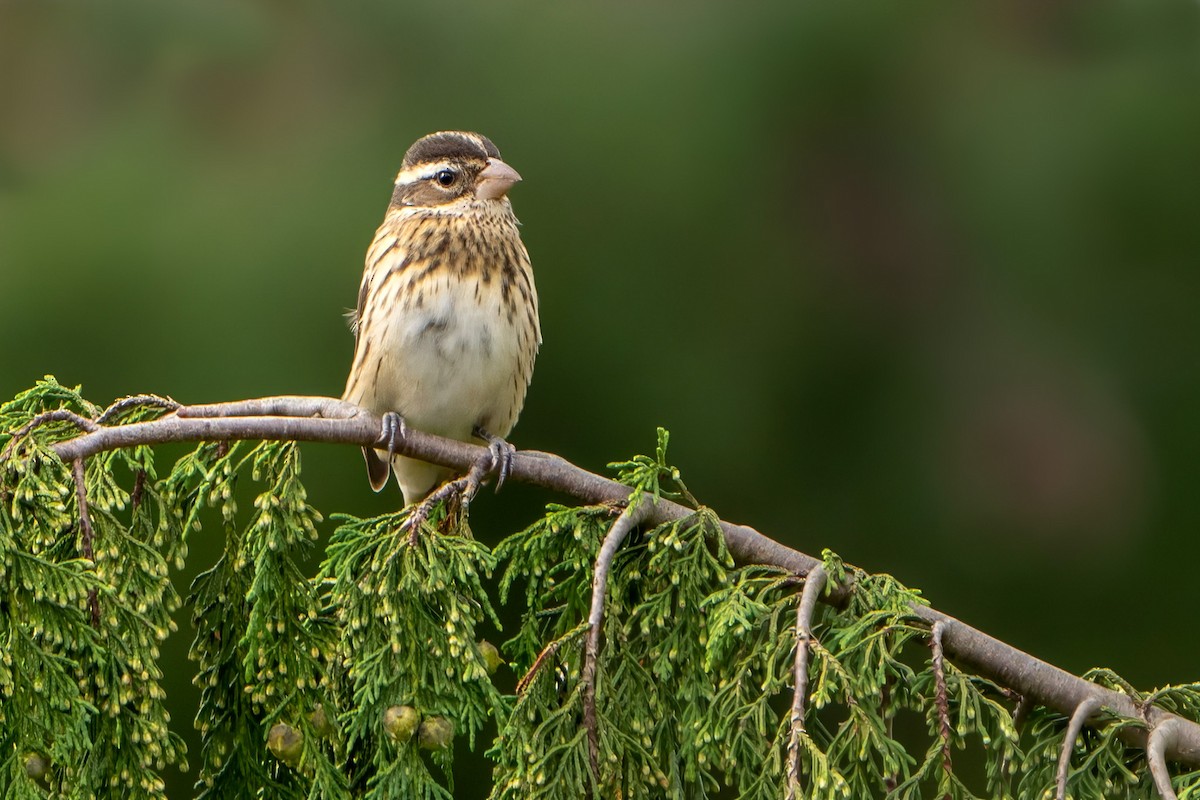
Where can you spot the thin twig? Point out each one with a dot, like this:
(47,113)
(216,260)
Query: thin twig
(134,401)
(813,586)
(1162,739)
(1078,720)
(892,780)
(139,487)
(544,657)
(421,511)
(338,422)
(1024,706)
(633,514)
(941,700)
(547,653)
(1020,712)
(86,533)
(459,488)
(58,415)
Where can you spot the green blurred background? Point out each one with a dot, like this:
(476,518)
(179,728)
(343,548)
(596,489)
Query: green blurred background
(912,281)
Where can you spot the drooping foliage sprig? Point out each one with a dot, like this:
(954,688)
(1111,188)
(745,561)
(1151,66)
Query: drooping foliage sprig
(83,611)
(408,617)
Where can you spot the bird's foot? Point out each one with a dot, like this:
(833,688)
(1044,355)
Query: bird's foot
(497,462)
(392,432)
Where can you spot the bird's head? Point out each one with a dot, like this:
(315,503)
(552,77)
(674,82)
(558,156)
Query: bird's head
(450,167)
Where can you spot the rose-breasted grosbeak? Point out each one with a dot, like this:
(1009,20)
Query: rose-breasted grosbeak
(447,321)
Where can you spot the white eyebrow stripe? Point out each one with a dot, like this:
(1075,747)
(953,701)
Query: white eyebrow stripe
(423,172)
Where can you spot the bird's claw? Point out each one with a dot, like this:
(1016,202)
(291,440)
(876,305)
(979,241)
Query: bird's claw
(502,458)
(498,461)
(392,432)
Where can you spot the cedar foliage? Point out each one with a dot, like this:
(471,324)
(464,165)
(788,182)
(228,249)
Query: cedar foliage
(353,681)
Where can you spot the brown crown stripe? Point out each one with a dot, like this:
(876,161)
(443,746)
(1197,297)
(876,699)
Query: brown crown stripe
(451,144)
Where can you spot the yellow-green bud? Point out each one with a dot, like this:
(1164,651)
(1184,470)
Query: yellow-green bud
(37,766)
(400,722)
(435,733)
(320,722)
(286,743)
(491,656)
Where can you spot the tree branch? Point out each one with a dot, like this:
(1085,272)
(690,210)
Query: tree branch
(1086,709)
(814,583)
(87,534)
(324,419)
(617,533)
(1161,740)
(941,700)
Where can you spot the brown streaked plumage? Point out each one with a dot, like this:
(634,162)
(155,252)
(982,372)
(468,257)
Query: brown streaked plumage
(447,320)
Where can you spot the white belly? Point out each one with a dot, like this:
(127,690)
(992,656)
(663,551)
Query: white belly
(454,362)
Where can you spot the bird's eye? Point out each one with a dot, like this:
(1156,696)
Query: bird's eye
(446,177)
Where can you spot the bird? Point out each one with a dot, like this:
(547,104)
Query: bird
(446,327)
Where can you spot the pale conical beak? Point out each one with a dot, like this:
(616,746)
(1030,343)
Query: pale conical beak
(496,179)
